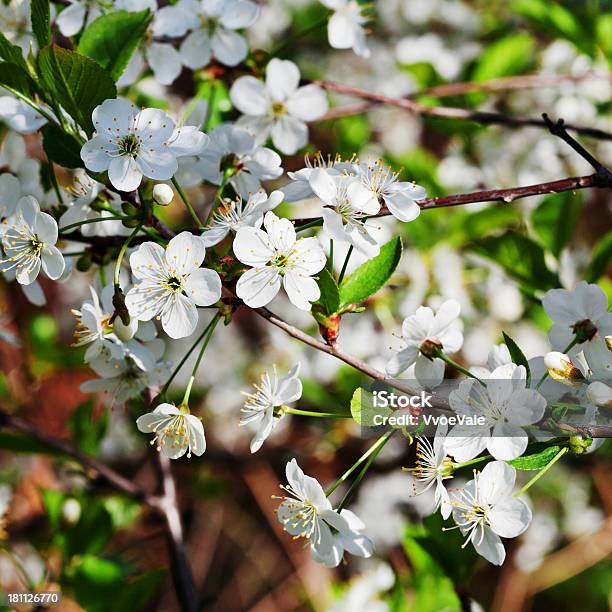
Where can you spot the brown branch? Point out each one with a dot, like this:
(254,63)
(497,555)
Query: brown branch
(449,112)
(113,478)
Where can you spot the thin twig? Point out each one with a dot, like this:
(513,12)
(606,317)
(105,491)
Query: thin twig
(449,112)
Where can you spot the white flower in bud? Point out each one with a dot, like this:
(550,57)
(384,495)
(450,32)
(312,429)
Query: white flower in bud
(562,368)
(163,194)
(599,394)
(71,511)
(125,332)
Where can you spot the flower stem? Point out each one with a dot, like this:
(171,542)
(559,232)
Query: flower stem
(345,264)
(453,364)
(313,223)
(185,358)
(546,374)
(331,257)
(188,206)
(374,450)
(209,109)
(543,471)
(208,332)
(314,413)
(457,466)
(122,251)
(290,40)
(87,221)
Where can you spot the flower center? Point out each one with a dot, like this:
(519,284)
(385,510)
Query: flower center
(129,145)
(584,330)
(174,284)
(430,347)
(281,261)
(278,109)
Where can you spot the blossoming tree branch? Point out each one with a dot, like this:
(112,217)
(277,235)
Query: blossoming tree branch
(260,230)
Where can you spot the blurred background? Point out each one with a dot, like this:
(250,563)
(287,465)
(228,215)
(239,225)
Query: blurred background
(65,528)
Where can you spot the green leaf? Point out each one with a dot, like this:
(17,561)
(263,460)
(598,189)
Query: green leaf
(554,220)
(77,82)
(61,148)
(87,432)
(507,56)
(557,20)
(97,581)
(10,52)
(368,278)
(53,502)
(92,531)
(517,355)
(15,78)
(330,295)
(600,259)
(363,410)
(536,461)
(41,21)
(112,39)
(521,258)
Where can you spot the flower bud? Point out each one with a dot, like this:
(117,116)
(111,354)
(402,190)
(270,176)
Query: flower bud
(579,444)
(163,194)
(561,368)
(125,332)
(71,511)
(599,394)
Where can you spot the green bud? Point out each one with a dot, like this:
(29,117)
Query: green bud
(579,444)
(84,262)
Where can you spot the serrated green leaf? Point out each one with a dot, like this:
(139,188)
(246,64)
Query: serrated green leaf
(41,21)
(517,355)
(16,79)
(507,56)
(521,258)
(77,82)
(535,461)
(601,257)
(10,52)
(61,148)
(368,278)
(554,220)
(330,295)
(112,39)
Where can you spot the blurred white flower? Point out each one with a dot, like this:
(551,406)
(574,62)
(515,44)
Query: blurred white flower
(599,394)
(177,432)
(345,28)
(20,116)
(277,257)
(170,283)
(306,512)
(77,14)
(15,23)
(486,509)
(270,394)
(163,194)
(214,24)
(130,144)
(28,240)
(506,406)
(424,334)
(231,215)
(279,108)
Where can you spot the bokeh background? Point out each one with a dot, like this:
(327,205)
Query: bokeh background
(66,529)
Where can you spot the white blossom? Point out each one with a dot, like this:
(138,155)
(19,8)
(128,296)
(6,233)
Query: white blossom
(486,509)
(345,28)
(279,108)
(214,24)
(15,23)
(130,144)
(76,15)
(506,406)
(342,219)
(378,184)
(306,512)
(177,432)
(580,314)
(277,258)
(29,243)
(432,467)
(424,333)
(163,194)
(232,147)
(271,394)
(231,215)
(19,115)
(170,283)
